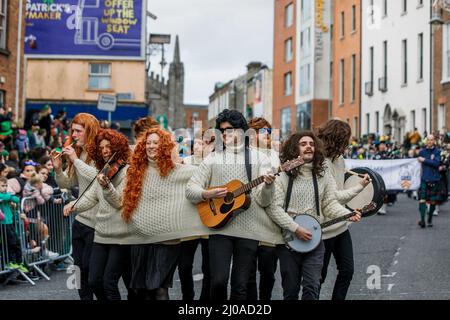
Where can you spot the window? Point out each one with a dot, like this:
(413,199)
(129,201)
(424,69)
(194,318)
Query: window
(413,120)
(289,15)
(355,126)
(3,11)
(288,84)
(385,8)
(353,18)
(305,42)
(372,13)
(285,122)
(288,50)
(306,9)
(441,117)
(353,83)
(420,56)
(404,6)
(371,63)
(304,116)
(424,119)
(341,81)
(446,54)
(377,121)
(305,79)
(385,59)
(342,24)
(420,4)
(99,76)
(404,62)
(2,98)
(367,123)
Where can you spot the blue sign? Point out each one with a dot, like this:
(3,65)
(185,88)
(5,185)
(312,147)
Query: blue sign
(85,28)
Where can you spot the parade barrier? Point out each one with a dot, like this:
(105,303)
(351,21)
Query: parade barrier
(11,252)
(44,232)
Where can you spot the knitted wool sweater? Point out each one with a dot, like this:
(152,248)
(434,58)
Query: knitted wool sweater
(163,212)
(83,175)
(337,172)
(303,199)
(219,168)
(110,228)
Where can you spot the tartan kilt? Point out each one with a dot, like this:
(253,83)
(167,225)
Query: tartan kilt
(430,191)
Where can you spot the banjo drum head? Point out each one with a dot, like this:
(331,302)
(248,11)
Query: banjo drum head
(374,192)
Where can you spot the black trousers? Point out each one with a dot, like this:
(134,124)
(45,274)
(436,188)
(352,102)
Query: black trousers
(266,263)
(301,268)
(82,240)
(342,249)
(185,265)
(221,250)
(11,239)
(109,262)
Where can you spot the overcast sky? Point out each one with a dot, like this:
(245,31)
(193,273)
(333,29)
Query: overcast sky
(218,38)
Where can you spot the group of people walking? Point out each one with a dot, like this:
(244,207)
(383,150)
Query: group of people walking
(138,220)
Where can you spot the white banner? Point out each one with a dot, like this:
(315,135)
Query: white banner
(401,174)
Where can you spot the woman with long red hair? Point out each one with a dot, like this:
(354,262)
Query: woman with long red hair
(110,258)
(154,203)
(80,171)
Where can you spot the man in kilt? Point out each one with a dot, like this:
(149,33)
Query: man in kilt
(429,192)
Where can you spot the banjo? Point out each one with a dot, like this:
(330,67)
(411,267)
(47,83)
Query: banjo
(312,224)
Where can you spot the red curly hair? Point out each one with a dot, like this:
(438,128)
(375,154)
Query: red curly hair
(119,144)
(138,167)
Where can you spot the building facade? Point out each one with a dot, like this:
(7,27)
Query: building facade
(242,94)
(346,79)
(12,28)
(76,53)
(441,70)
(395,69)
(302,64)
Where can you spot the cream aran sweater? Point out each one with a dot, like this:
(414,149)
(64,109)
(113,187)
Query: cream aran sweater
(303,200)
(163,212)
(337,171)
(110,227)
(219,168)
(84,173)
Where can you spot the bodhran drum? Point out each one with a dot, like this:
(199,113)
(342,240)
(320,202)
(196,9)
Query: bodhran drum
(373,193)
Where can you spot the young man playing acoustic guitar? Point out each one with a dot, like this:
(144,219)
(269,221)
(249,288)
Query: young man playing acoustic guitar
(303,268)
(239,238)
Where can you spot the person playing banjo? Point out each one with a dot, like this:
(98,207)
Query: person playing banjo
(306,190)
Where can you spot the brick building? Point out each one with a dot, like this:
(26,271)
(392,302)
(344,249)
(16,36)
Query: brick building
(346,81)
(11,55)
(441,70)
(284,65)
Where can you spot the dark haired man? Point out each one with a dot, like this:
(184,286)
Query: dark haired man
(310,192)
(335,136)
(237,242)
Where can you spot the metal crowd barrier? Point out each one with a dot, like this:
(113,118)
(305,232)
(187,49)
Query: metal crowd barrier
(11,253)
(45,233)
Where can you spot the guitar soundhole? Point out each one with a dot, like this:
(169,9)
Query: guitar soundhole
(229,198)
(226,207)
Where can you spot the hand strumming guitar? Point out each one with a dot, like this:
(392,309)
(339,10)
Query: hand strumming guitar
(214,193)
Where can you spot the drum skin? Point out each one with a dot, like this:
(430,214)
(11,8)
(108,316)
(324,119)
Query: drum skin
(374,192)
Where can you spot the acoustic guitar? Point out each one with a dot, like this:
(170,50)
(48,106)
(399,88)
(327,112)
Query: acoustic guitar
(311,224)
(216,213)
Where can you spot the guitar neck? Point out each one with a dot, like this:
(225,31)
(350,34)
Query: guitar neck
(337,220)
(252,184)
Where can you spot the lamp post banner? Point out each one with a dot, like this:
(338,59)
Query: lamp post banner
(85,28)
(402,174)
